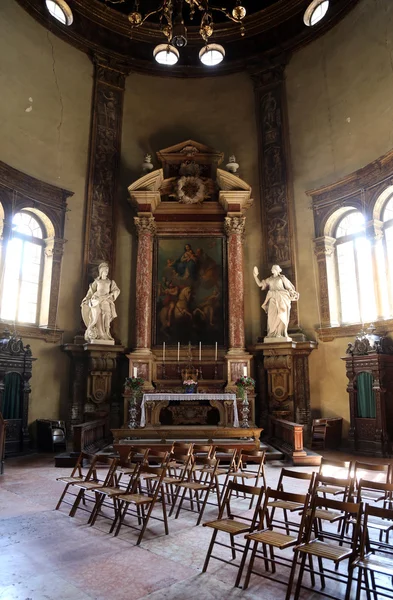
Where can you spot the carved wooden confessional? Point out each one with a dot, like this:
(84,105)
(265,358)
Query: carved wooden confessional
(15,372)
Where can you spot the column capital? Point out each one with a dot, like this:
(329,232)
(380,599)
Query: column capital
(324,246)
(145,225)
(269,72)
(235,226)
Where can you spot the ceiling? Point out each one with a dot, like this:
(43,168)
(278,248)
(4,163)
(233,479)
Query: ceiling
(273,27)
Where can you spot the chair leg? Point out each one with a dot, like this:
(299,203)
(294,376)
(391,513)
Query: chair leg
(300,577)
(122,516)
(146,520)
(62,496)
(250,566)
(204,505)
(76,503)
(210,549)
(242,563)
(180,503)
(359,585)
(291,576)
(96,509)
(233,546)
(164,515)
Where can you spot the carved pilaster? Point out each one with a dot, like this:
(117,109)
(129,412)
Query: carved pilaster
(234,229)
(54,252)
(274,172)
(105,142)
(324,250)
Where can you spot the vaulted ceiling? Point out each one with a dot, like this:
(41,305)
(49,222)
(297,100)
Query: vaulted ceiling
(272,27)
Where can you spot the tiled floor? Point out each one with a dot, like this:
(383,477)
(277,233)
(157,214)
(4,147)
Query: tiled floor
(44,554)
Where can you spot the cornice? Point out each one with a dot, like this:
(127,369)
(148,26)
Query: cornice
(277,29)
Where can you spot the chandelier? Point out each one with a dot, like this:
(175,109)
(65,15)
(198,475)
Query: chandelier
(170,14)
(171,19)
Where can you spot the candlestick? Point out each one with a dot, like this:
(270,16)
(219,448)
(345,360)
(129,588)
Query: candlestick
(163,351)
(178,351)
(135,372)
(244,371)
(200,351)
(215,355)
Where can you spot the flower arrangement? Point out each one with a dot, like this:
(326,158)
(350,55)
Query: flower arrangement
(245,382)
(242,383)
(189,382)
(133,384)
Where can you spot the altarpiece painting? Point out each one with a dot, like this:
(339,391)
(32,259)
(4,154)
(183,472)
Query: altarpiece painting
(190,291)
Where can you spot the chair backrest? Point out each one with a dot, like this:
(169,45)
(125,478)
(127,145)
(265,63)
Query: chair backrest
(274,495)
(335,468)
(183,447)
(385,514)
(365,485)
(382,471)
(77,470)
(239,488)
(351,509)
(346,485)
(287,474)
(100,460)
(227,455)
(159,471)
(203,449)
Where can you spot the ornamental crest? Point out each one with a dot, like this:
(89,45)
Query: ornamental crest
(190,188)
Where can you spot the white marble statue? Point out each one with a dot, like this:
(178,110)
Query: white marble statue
(98,307)
(277,304)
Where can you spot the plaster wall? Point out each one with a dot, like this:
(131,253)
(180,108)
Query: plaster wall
(340,91)
(44,122)
(160,112)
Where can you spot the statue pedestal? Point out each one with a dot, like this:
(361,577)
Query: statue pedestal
(276,340)
(93,366)
(288,386)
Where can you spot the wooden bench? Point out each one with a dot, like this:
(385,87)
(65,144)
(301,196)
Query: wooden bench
(91,436)
(288,437)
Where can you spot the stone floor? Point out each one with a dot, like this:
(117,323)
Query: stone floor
(44,554)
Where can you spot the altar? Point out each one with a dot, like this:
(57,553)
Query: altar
(226,404)
(189,311)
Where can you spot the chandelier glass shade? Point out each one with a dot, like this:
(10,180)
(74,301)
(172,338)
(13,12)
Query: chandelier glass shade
(166,54)
(211,55)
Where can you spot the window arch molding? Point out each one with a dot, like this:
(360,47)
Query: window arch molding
(47,203)
(367,190)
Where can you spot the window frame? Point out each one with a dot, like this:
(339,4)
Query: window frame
(367,190)
(47,203)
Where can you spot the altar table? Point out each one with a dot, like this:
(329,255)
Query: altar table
(187,398)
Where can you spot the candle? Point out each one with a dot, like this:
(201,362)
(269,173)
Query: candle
(135,372)
(178,351)
(163,351)
(215,356)
(244,371)
(200,351)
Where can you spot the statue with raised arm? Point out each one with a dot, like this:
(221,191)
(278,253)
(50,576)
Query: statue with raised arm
(98,307)
(277,303)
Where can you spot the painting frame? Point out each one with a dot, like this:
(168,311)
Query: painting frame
(208,300)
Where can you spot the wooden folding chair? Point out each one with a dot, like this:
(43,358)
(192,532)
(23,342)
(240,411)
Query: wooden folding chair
(385,493)
(271,537)
(380,473)
(202,480)
(290,507)
(372,559)
(324,550)
(245,473)
(142,503)
(233,523)
(339,469)
(112,492)
(77,475)
(92,482)
(179,467)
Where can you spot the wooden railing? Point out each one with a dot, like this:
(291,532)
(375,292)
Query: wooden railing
(91,436)
(288,437)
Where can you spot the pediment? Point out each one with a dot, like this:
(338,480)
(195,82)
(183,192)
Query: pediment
(189,150)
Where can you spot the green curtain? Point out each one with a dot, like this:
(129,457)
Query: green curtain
(12,405)
(365,396)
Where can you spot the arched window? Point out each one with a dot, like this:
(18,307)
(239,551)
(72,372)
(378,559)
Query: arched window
(354,270)
(23,269)
(387,218)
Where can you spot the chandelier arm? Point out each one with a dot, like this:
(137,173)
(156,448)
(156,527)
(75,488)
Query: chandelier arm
(153,12)
(226,13)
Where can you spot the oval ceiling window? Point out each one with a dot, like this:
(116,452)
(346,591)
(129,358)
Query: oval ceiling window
(60,11)
(315,12)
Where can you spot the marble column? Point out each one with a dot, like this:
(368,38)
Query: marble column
(146,228)
(234,229)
